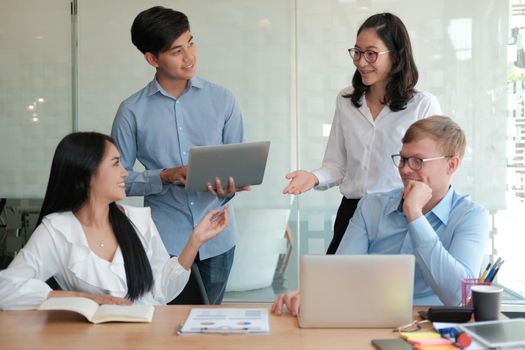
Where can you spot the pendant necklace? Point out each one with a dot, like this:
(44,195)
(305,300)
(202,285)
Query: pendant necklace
(101,244)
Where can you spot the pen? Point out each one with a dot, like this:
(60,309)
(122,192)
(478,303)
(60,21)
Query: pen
(216,216)
(226,330)
(496,271)
(484,273)
(491,271)
(491,278)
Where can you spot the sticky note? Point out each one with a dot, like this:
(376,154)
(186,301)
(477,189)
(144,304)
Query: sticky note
(419,335)
(437,341)
(435,347)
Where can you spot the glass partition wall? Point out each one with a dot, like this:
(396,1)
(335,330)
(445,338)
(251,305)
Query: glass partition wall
(285,61)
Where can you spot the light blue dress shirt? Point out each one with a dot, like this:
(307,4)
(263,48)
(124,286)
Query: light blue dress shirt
(448,242)
(158,130)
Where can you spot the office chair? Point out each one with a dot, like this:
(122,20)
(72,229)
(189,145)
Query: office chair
(194,293)
(261,241)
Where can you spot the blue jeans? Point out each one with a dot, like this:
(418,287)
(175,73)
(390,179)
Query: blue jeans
(215,272)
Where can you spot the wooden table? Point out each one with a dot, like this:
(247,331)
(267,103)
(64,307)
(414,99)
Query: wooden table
(68,330)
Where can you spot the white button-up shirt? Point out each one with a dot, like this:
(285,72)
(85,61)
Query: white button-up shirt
(58,248)
(359,149)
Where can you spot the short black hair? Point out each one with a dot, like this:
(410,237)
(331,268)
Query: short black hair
(403,74)
(155,29)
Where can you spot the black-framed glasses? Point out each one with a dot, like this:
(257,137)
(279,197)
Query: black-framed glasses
(369,55)
(414,163)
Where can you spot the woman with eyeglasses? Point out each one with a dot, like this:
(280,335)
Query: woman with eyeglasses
(371,117)
(93,247)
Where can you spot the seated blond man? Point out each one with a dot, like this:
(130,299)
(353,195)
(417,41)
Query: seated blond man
(444,230)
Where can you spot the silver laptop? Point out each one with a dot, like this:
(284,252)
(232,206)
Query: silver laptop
(245,162)
(356,291)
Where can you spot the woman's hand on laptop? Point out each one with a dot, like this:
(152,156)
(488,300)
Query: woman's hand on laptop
(226,192)
(291,300)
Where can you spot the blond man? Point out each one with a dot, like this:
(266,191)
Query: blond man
(443,229)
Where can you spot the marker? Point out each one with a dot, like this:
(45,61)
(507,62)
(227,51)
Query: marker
(484,274)
(496,271)
(491,272)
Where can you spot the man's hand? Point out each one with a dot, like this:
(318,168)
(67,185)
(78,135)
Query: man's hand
(300,181)
(415,196)
(174,175)
(228,192)
(291,300)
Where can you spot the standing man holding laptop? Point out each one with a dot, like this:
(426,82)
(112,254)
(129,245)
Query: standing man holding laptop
(160,123)
(444,230)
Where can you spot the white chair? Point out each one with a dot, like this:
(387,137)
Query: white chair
(261,241)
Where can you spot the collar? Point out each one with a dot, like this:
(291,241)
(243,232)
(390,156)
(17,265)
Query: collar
(365,111)
(441,210)
(395,201)
(153,87)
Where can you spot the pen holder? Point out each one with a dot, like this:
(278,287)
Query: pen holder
(466,289)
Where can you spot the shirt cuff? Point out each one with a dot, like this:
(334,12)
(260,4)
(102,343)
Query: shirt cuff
(154,180)
(322,180)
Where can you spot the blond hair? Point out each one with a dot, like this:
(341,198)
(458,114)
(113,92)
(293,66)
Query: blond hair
(446,132)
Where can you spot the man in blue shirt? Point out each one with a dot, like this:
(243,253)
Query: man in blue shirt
(444,230)
(160,123)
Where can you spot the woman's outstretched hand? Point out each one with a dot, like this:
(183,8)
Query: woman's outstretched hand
(300,181)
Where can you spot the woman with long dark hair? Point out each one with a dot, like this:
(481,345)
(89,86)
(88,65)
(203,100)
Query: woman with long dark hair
(370,119)
(93,247)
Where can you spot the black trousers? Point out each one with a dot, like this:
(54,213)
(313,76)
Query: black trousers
(344,214)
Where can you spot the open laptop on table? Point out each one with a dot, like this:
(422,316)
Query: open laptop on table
(356,291)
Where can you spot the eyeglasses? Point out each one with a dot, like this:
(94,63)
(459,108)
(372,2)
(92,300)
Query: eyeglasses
(414,163)
(369,55)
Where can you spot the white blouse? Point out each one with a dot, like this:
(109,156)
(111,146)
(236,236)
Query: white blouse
(59,248)
(359,149)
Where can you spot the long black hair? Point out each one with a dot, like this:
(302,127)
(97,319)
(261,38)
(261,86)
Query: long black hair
(76,160)
(403,74)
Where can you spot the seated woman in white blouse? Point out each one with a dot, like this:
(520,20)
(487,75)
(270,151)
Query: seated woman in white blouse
(90,245)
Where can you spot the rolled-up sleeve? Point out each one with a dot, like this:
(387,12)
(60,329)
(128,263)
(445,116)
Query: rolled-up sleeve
(124,133)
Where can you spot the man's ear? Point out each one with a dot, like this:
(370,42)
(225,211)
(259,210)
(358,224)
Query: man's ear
(453,164)
(151,59)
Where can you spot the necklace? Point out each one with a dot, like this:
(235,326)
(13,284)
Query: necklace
(101,244)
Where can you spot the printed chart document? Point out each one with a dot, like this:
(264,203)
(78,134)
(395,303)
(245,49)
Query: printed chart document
(223,320)
(96,313)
